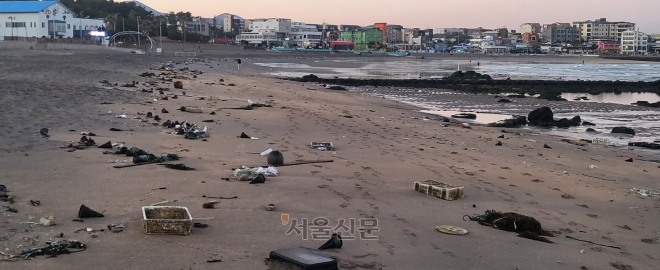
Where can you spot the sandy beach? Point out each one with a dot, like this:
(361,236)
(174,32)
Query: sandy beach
(382,148)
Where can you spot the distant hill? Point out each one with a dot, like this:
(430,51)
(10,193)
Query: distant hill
(138,3)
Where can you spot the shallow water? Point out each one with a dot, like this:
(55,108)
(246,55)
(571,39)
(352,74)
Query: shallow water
(482,118)
(622,72)
(623,98)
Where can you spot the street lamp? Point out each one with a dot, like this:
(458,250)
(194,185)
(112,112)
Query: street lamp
(138,30)
(12,26)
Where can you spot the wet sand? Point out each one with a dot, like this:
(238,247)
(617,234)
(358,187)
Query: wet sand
(382,148)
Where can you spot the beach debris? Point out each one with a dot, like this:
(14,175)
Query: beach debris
(178,85)
(87,133)
(224,198)
(546,146)
(591,130)
(172,220)
(567,196)
(150,115)
(116,228)
(209,205)
(646,192)
(629,160)
(439,189)
(336,87)
(323,146)
(248,174)
(625,227)
(35,202)
(107,145)
(115,129)
(44,132)
(525,226)
(621,266)
(191,109)
(334,242)
(245,136)
(48,221)
(259,179)
(501,136)
(86,212)
(164,111)
(275,158)
(498,143)
(157,118)
(302,258)
(623,130)
(650,241)
(54,248)
(586,241)
(270,207)
(200,225)
(593,167)
(265,153)
(3,192)
(453,230)
(180,166)
(10,209)
(466,125)
(465,115)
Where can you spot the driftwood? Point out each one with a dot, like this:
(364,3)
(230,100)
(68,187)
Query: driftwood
(302,162)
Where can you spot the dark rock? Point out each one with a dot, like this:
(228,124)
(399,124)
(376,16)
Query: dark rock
(465,115)
(645,145)
(178,85)
(546,146)
(164,111)
(499,144)
(337,87)
(629,160)
(591,130)
(647,104)
(504,100)
(510,123)
(501,136)
(517,96)
(540,115)
(587,123)
(624,130)
(310,77)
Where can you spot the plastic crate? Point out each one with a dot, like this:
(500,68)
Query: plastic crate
(439,190)
(173,220)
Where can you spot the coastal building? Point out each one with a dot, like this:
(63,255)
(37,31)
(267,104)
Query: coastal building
(559,33)
(530,38)
(393,35)
(347,27)
(602,29)
(634,42)
(608,47)
(363,39)
(231,24)
(449,31)
(45,19)
(303,35)
(533,28)
(277,25)
(198,26)
(258,39)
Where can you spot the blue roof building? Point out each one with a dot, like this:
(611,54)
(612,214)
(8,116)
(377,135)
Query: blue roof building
(24,6)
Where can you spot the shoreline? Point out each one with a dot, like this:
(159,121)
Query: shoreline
(382,147)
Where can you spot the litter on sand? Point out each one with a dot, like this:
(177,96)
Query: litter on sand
(453,230)
(248,174)
(646,192)
(525,226)
(323,146)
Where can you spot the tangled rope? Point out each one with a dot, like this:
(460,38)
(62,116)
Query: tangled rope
(480,217)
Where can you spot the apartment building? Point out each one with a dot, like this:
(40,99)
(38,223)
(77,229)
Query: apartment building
(278,25)
(198,26)
(231,24)
(559,33)
(634,42)
(533,28)
(601,29)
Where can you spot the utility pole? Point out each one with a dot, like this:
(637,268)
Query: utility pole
(12,27)
(123,26)
(138,30)
(80,28)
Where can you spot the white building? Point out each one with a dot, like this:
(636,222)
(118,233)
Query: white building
(602,29)
(257,38)
(277,25)
(43,19)
(303,35)
(634,42)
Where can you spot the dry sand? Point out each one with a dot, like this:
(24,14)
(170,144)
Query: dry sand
(381,150)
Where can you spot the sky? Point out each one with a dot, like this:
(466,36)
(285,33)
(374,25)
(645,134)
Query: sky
(427,13)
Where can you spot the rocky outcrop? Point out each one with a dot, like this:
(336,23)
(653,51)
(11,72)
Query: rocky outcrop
(624,130)
(514,122)
(465,115)
(545,117)
(645,145)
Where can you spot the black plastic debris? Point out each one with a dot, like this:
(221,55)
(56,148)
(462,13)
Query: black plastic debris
(164,111)
(499,144)
(334,242)
(44,132)
(275,158)
(208,121)
(87,141)
(115,129)
(150,115)
(244,136)
(304,259)
(3,191)
(180,167)
(157,118)
(54,248)
(35,202)
(546,146)
(86,212)
(107,145)
(260,179)
(200,225)
(209,205)
(212,113)
(629,160)
(501,137)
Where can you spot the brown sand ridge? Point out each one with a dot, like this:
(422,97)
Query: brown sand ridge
(382,147)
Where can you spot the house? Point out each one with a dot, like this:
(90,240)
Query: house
(198,26)
(277,25)
(530,38)
(231,24)
(45,19)
(634,42)
(363,39)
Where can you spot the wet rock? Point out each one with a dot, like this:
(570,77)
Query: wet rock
(178,85)
(540,115)
(510,123)
(647,104)
(591,130)
(504,100)
(645,145)
(624,130)
(517,96)
(337,87)
(310,77)
(587,123)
